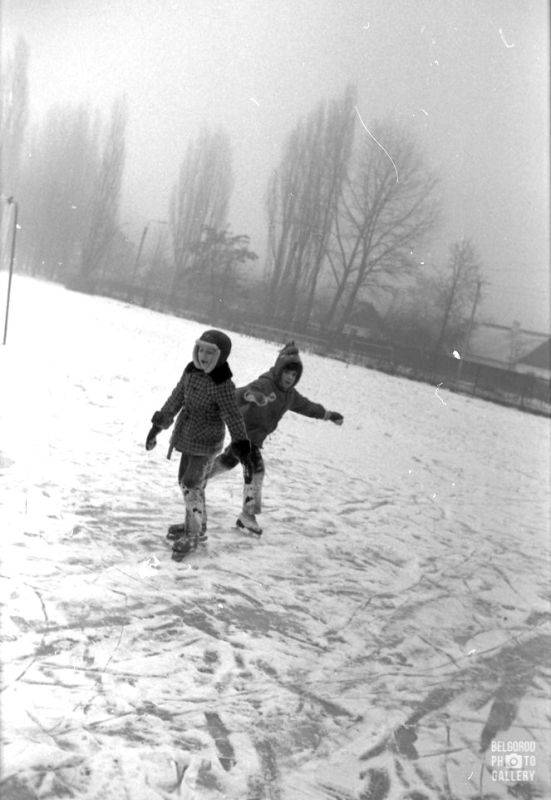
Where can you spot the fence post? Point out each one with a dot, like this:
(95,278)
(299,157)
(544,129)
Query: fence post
(476,374)
(527,380)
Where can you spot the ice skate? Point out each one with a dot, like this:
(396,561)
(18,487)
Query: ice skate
(248,522)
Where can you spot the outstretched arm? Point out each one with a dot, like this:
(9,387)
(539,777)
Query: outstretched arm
(302,405)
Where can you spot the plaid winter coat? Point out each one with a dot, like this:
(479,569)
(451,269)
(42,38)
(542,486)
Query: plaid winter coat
(205,401)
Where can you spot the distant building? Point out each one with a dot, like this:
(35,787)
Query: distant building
(538,361)
(503,347)
(365,323)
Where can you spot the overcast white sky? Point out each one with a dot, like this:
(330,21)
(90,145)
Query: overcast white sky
(468,77)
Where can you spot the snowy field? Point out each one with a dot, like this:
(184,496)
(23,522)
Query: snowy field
(389,627)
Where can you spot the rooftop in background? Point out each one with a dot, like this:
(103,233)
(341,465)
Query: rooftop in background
(501,346)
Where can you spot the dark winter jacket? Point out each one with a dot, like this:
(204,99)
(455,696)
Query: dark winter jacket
(260,421)
(205,401)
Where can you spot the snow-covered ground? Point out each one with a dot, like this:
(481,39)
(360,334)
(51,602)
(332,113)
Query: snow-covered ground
(389,627)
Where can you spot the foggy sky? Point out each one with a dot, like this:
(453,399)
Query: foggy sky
(469,79)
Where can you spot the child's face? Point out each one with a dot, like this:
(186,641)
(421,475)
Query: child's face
(288,378)
(205,354)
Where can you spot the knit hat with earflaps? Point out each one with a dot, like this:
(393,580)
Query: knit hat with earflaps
(217,339)
(288,358)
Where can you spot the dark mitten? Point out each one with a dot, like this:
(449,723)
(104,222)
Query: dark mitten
(151,440)
(242,449)
(161,420)
(335,417)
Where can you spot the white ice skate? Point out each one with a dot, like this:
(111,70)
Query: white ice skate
(248,522)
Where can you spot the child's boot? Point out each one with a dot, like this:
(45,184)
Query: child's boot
(176,531)
(203,532)
(258,479)
(195,515)
(252,494)
(181,529)
(252,504)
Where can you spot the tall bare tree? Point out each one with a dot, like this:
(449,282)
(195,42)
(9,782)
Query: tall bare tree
(14,112)
(456,289)
(14,116)
(201,198)
(57,183)
(217,257)
(301,204)
(436,309)
(106,198)
(387,208)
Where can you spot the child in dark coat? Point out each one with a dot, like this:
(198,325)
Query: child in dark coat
(263,403)
(204,399)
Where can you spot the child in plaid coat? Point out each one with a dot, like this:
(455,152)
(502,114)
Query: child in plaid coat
(204,399)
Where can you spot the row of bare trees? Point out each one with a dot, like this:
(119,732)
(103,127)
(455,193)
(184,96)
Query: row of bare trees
(436,312)
(302,205)
(347,210)
(14,113)
(70,190)
(344,216)
(66,174)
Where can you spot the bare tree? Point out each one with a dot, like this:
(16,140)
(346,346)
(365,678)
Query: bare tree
(387,208)
(201,198)
(14,111)
(217,256)
(301,204)
(456,289)
(437,309)
(57,184)
(14,116)
(105,201)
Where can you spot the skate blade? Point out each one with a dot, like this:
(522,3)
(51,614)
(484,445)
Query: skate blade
(244,528)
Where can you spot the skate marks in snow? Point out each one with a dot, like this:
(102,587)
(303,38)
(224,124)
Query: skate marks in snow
(383,605)
(138,676)
(494,694)
(307,654)
(299,717)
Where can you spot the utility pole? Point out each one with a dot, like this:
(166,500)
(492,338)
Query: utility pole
(138,254)
(13,202)
(1,130)
(469,329)
(140,246)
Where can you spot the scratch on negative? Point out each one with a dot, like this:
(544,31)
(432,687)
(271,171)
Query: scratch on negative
(503,38)
(376,141)
(438,396)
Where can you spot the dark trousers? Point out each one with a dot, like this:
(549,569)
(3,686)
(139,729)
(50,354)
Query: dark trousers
(194,470)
